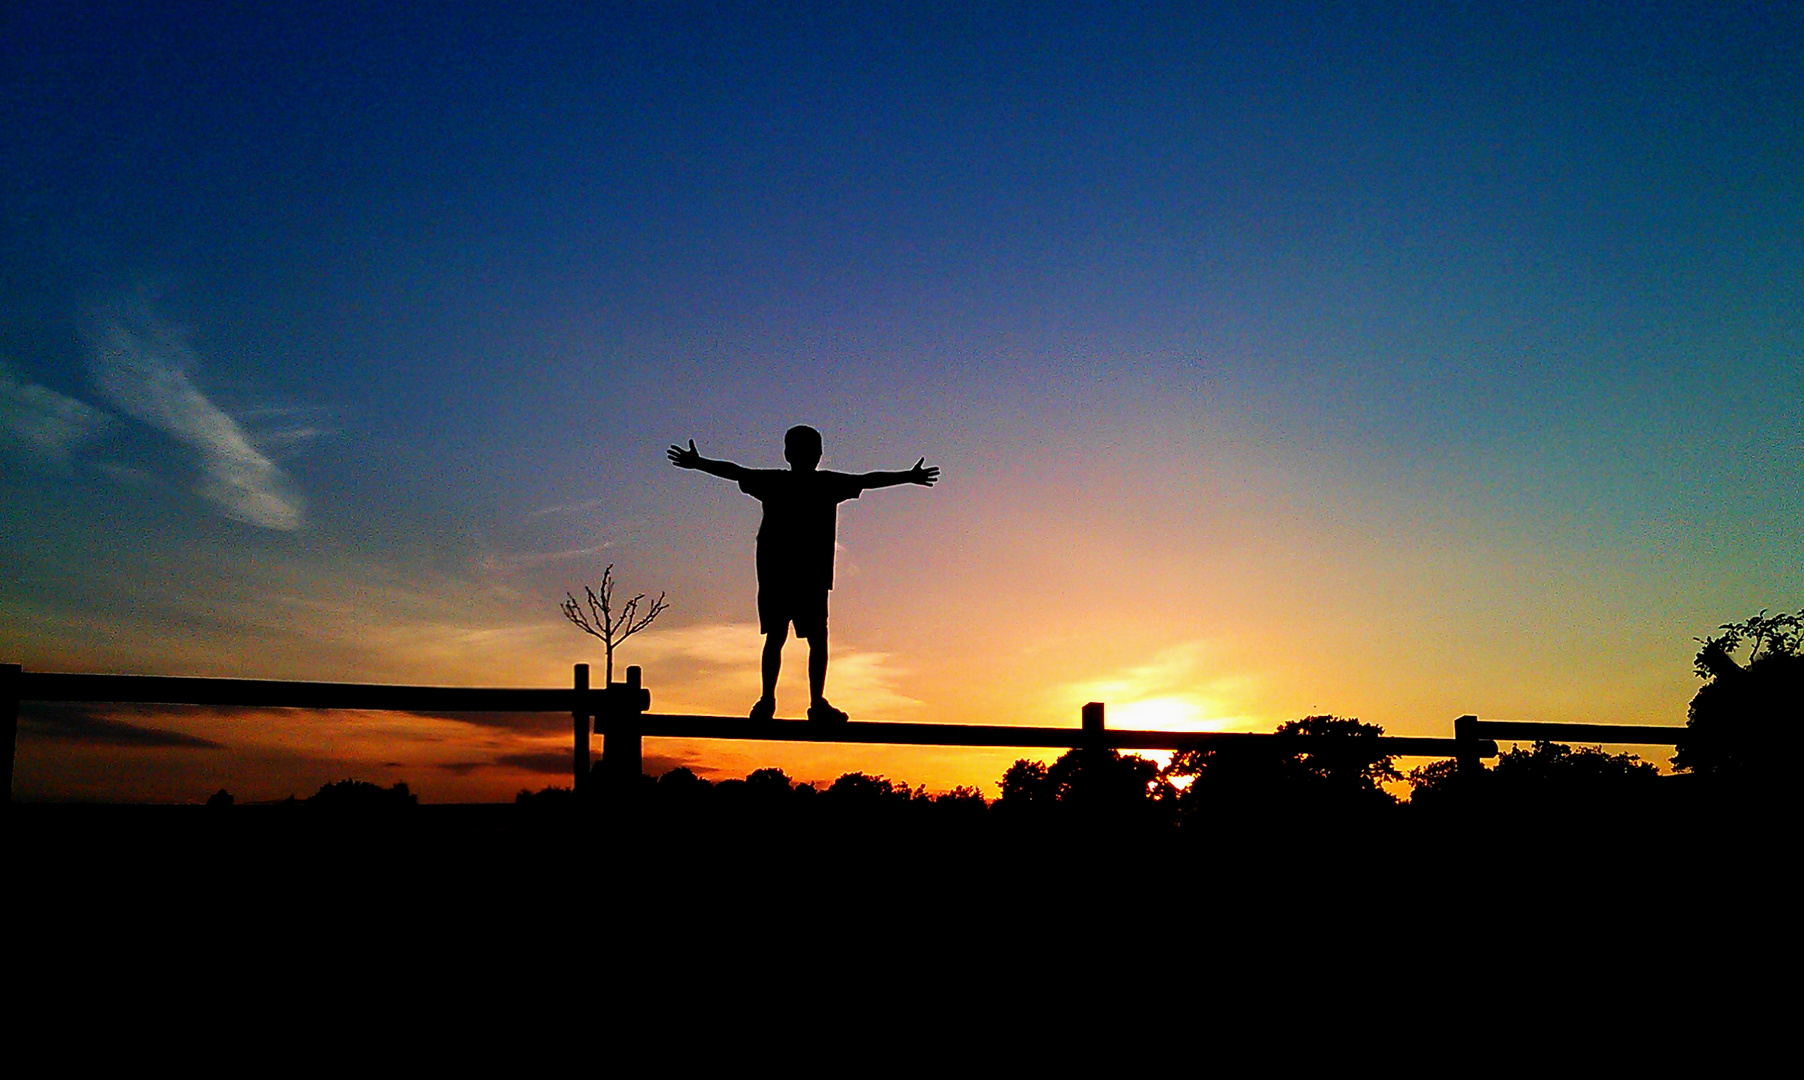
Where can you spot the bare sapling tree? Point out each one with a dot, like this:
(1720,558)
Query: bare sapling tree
(601,621)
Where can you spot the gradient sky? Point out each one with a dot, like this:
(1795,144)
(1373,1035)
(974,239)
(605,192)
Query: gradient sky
(1391,360)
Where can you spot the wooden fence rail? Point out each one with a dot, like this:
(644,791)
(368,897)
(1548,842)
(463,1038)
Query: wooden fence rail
(618,713)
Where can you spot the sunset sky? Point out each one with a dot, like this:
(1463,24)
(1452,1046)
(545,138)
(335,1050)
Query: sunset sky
(1396,361)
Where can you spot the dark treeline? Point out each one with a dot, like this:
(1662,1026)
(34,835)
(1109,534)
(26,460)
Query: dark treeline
(1301,882)
(1739,749)
(1551,861)
(1198,790)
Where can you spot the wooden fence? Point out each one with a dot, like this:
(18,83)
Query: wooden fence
(618,712)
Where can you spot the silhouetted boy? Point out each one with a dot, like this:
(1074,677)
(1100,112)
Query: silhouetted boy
(795,549)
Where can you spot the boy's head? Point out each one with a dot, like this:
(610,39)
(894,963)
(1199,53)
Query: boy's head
(802,447)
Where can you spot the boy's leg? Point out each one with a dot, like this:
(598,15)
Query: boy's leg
(773,660)
(817,666)
(811,623)
(819,710)
(773,619)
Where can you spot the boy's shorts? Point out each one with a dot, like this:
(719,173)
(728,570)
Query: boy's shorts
(778,607)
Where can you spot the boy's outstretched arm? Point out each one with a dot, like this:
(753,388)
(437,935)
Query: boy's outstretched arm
(689,459)
(922,474)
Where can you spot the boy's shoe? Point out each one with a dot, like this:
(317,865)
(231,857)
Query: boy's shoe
(765,709)
(822,713)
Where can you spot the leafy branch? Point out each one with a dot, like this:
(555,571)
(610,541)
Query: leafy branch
(1780,633)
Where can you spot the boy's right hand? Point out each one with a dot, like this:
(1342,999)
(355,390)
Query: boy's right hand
(685,459)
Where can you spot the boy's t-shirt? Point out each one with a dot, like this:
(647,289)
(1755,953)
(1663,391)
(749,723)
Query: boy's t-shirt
(795,540)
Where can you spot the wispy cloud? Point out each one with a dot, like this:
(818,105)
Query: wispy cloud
(143,365)
(729,645)
(714,668)
(528,559)
(569,507)
(282,429)
(1177,689)
(48,425)
(127,474)
(549,762)
(101,726)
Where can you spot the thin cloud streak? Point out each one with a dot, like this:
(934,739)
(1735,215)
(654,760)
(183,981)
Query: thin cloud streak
(571,507)
(47,424)
(100,725)
(531,559)
(714,668)
(142,364)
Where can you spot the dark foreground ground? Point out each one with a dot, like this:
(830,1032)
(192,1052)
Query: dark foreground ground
(433,867)
(136,906)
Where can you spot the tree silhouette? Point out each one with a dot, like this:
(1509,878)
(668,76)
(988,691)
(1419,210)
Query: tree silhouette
(962,799)
(600,620)
(1234,778)
(1554,769)
(546,798)
(860,790)
(1542,778)
(362,795)
(1024,787)
(1345,770)
(1103,780)
(1350,761)
(1745,720)
(859,798)
(1438,784)
(768,787)
(768,778)
(1089,780)
(682,778)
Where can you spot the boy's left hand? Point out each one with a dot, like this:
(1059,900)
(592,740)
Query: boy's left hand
(922,475)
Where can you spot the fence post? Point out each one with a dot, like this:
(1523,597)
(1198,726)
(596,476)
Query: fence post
(622,746)
(1093,723)
(579,715)
(1465,732)
(9,706)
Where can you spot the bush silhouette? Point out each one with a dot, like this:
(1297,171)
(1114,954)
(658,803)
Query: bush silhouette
(1344,770)
(544,798)
(961,805)
(362,795)
(680,778)
(768,783)
(1088,780)
(1745,721)
(1546,777)
(1024,788)
(856,791)
(1350,766)
(1437,785)
(680,786)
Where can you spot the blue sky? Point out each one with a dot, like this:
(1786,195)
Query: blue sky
(1391,360)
